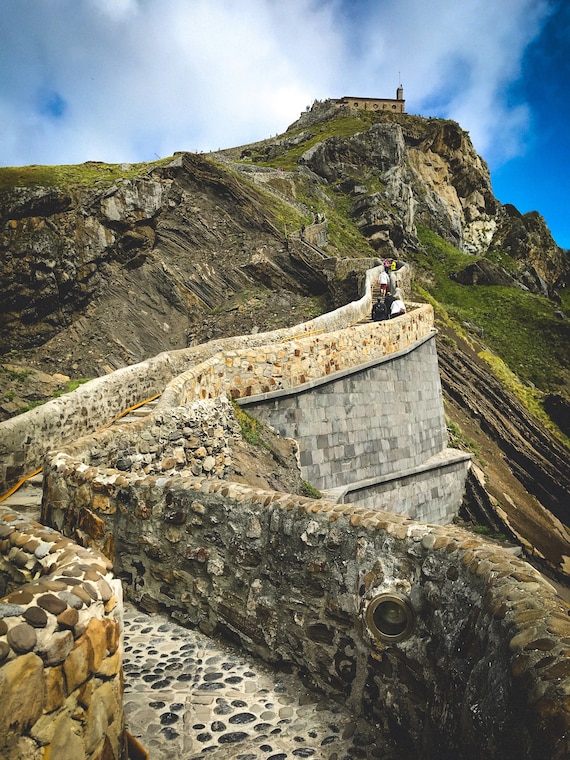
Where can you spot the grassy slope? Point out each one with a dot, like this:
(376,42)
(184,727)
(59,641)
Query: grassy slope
(519,326)
(86,174)
(529,344)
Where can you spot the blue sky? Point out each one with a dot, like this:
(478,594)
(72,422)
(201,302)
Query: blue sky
(130,80)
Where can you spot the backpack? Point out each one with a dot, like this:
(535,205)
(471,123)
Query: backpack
(379,311)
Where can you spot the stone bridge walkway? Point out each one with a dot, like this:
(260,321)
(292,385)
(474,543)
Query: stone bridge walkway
(188,696)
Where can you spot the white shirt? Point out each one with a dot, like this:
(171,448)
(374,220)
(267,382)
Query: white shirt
(398,307)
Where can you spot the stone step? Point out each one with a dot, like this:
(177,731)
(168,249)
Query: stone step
(137,414)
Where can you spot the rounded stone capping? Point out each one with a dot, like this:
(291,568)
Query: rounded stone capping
(62,605)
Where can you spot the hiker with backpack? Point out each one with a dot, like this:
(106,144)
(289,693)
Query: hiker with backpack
(397,306)
(389,300)
(380,311)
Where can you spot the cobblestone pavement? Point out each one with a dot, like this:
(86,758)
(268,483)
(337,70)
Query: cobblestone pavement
(188,697)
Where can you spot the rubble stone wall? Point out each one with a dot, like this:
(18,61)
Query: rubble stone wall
(25,438)
(61,687)
(484,673)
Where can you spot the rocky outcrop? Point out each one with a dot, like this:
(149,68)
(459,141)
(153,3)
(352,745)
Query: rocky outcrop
(430,175)
(101,277)
(483,272)
(540,264)
(536,458)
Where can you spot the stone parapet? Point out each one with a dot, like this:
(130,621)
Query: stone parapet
(484,670)
(25,438)
(61,688)
(292,363)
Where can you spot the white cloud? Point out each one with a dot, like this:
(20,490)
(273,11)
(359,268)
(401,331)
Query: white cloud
(127,79)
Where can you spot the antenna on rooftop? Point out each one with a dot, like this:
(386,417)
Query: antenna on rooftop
(400,90)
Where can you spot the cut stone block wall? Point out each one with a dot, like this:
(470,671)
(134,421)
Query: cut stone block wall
(374,432)
(429,493)
(61,687)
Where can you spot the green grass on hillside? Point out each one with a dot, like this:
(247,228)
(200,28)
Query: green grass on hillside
(342,127)
(88,174)
(519,326)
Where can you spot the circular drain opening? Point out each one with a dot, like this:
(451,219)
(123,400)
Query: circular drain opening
(390,617)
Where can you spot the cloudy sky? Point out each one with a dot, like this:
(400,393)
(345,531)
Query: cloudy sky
(132,80)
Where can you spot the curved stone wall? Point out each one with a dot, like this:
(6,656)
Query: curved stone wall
(386,421)
(484,673)
(25,438)
(375,434)
(61,688)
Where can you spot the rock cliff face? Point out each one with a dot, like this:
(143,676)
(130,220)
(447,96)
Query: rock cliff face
(94,279)
(98,275)
(430,175)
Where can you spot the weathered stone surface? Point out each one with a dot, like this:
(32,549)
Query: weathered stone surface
(56,648)
(36,617)
(71,600)
(22,638)
(93,525)
(66,744)
(113,635)
(218,571)
(21,597)
(4,651)
(110,666)
(68,618)
(54,694)
(21,696)
(51,603)
(97,720)
(96,632)
(10,610)
(78,665)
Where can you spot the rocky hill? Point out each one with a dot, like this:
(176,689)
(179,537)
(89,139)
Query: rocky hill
(103,266)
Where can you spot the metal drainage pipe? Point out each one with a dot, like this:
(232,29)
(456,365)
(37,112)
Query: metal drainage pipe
(390,617)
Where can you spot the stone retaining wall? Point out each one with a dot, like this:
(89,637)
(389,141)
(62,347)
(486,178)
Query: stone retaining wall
(25,438)
(271,368)
(61,688)
(356,415)
(373,432)
(485,671)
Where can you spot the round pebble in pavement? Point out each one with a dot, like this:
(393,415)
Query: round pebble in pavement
(196,698)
